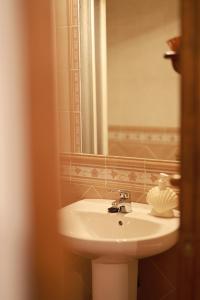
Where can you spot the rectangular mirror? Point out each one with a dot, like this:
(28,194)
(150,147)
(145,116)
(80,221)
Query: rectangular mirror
(127,92)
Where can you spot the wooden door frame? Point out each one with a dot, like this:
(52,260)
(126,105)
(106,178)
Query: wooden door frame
(189,243)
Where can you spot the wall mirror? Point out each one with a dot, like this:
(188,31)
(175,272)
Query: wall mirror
(129,94)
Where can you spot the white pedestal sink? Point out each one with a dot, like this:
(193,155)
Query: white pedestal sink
(115,242)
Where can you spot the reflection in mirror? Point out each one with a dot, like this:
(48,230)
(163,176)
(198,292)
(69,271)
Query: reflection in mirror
(93,58)
(129,93)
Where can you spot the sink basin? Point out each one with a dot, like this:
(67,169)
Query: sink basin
(90,230)
(115,240)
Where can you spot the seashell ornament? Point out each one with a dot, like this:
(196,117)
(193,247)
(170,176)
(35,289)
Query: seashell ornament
(162,198)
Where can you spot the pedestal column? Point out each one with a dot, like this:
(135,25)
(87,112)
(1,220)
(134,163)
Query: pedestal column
(114,281)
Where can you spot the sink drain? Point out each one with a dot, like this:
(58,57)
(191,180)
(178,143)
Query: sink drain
(120,223)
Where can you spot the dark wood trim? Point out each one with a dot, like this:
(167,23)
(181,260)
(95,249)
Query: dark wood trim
(189,251)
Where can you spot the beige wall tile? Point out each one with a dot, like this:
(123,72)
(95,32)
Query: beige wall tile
(74,48)
(75,93)
(63,90)
(75,118)
(64,132)
(62,47)
(72,12)
(61,12)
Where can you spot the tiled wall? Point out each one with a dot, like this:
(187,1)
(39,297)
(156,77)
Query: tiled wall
(88,176)
(95,176)
(144,142)
(67,71)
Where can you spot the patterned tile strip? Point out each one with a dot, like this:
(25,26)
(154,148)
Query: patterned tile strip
(134,174)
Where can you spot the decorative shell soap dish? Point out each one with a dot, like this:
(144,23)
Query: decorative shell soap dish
(162,198)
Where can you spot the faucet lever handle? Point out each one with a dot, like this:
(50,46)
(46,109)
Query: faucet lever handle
(123,194)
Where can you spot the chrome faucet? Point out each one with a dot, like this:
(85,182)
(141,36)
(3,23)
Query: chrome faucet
(123,204)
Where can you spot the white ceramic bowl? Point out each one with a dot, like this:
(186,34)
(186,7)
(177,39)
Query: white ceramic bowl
(89,230)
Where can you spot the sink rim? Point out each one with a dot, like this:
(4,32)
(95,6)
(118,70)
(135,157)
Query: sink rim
(164,229)
(128,247)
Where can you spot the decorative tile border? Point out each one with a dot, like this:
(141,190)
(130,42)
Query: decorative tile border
(137,175)
(150,135)
(145,142)
(73,12)
(74,48)
(83,168)
(68,71)
(74,91)
(74,74)
(137,171)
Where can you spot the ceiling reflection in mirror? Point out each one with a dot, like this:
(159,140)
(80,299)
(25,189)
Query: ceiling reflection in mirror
(129,92)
